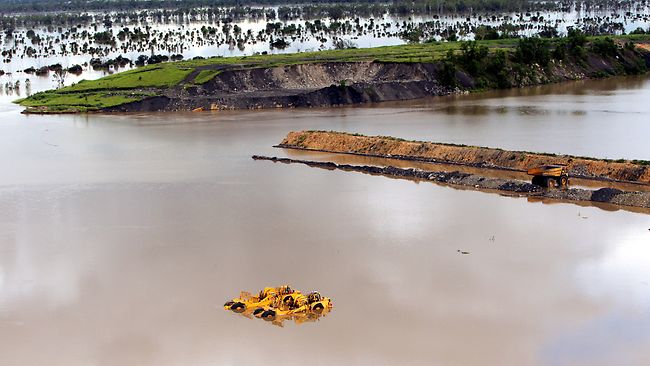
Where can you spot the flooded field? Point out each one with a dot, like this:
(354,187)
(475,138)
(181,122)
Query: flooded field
(121,236)
(86,45)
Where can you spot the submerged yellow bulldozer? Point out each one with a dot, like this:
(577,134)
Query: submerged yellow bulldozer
(277,304)
(550,176)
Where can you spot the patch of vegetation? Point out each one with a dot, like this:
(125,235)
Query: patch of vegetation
(472,57)
(560,51)
(343,44)
(104,37)
(641,162)
(486,32)
(53,101)
(497,66)
(205,75)
(604,47)
(162,75)
(448,71)
(412,35)
(575,43)
(418,52)
(533,51)
(279,43)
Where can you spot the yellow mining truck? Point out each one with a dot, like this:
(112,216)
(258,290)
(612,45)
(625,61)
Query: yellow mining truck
(277,304)
(269,296)
(304,309)
(550,176)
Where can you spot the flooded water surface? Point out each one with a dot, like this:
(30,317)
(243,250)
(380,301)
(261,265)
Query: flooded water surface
(121,236)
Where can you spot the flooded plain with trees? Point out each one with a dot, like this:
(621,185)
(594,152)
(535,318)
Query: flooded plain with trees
(55,49)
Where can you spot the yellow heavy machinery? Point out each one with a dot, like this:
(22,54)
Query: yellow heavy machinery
(277,304)
(269,296)
(550,176)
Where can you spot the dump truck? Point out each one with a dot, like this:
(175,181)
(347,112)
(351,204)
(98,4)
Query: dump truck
(277,304)
(269,296)
(550,176)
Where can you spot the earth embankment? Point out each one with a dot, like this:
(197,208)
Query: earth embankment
(482,157)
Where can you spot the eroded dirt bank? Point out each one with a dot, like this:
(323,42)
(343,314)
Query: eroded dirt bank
(483,157)
(474,181)
(302,85)
(330,83)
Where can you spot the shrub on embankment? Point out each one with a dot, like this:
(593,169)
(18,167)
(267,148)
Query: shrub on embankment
(535,61)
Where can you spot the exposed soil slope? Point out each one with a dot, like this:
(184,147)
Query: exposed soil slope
(304,85)
(381,146)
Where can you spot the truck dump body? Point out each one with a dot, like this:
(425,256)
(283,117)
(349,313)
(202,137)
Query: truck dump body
(548,170)
(550,175)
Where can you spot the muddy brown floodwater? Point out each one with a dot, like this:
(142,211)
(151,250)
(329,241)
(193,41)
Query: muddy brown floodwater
(121,236)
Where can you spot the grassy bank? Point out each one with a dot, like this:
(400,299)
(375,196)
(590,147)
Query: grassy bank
(492,63)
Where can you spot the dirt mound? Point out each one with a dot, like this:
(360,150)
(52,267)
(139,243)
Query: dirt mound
(389,147)
(605,194)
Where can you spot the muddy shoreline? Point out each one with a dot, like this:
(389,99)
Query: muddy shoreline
(477,182)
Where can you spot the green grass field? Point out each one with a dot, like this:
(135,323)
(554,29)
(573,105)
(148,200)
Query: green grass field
(204,76)
(154,76)
(81,102)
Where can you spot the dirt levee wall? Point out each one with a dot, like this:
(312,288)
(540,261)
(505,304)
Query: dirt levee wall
(390,147)
(317,76)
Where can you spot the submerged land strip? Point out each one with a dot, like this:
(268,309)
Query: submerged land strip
(349,76)
(623,171)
